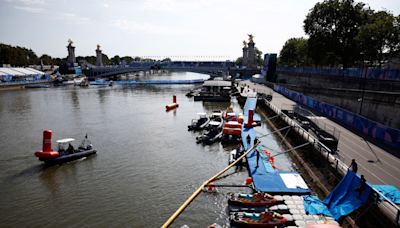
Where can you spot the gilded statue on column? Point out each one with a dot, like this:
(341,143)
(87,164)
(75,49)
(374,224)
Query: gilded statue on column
(98,47)
(70,42)
(251,38)
(244,43)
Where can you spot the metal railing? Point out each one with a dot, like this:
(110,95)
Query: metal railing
(24,82)
(390,207)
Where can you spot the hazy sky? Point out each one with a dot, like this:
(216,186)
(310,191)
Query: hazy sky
(184,28)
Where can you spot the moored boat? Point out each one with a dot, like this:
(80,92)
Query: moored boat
(66,151)
(255,199)
(234,154)
(232,132)
(200,123)
(263,219)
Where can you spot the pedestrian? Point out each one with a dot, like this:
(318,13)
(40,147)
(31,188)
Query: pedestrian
(258,157)
(360,188)
(237,152)
(255,141)
(353,165)
(248,139)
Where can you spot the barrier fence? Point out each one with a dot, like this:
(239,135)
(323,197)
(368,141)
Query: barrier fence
(25,82)
(378,131)
(379,74)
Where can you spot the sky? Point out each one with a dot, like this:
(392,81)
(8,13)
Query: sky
(179,29)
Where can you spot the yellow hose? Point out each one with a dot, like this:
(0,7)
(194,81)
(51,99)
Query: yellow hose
(173,217)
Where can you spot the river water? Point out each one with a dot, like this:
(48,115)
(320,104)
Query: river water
(147,165)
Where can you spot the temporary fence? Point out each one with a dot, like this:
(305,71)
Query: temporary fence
(378,131)
(24,82)
(379,74)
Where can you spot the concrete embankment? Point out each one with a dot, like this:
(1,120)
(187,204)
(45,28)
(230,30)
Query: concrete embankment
(320,171)
(14,86)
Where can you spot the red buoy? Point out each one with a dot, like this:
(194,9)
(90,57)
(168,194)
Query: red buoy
(47,151)
(250,123)
(173,105)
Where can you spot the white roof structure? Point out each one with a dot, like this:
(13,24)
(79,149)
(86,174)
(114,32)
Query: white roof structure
(65,140)
(217,83)
(16,71)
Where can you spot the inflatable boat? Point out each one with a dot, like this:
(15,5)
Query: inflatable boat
(200,123)
(263,219)
(255,199)
(233,156)
(66,151)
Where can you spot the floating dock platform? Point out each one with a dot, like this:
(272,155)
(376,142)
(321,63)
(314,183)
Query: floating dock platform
(265,178)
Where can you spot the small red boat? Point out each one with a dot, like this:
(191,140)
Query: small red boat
(263,219)
(255,199)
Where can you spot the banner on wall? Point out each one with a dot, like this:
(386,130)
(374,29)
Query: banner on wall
(378,131)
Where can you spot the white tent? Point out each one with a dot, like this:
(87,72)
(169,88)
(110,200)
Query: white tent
(258,78)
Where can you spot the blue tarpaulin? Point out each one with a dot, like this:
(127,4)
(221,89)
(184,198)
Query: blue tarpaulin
(390,191)
(314,206)
(342,200)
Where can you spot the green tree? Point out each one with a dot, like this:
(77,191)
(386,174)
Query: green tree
(332,27)
(115,60)
(288,54)
(47,60)
(258,56)
(137,59)
(105,59)
(166,60)
(380,39)
(239,61)
(128,59)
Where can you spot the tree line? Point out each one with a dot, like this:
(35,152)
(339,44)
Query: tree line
(20,56)
(344,33)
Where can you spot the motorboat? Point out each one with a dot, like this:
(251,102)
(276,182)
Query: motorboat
(84,82)
(213,134)
(65,152)
(200,123)
(256,199)
(263,219)
(233,156)
(232,132)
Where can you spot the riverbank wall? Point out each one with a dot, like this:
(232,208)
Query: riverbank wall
(20,85)
(321,172)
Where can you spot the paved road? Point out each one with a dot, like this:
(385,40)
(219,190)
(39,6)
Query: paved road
(379,163)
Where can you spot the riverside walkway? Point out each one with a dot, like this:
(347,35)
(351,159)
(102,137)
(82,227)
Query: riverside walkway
(379,163)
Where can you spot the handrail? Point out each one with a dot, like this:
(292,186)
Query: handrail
(184,205)
(329,152)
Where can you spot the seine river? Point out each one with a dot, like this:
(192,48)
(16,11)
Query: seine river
(147,165)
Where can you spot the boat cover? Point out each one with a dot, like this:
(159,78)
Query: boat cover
(390,191)
(342,200)
(314,206)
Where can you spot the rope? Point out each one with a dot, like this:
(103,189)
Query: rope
(184,205)
(360,215)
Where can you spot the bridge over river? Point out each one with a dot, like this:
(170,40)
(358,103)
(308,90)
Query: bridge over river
(110,71)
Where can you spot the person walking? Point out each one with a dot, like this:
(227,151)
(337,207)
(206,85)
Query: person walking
(353,166)
(360,188)
(258,157)
(248,140)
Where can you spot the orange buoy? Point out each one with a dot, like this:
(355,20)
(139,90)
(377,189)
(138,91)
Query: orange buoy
(211,186)
(173,105)
(249,180)
(240,118)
